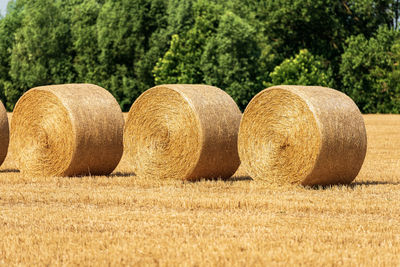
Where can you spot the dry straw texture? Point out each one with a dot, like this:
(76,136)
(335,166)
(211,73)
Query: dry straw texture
(4,133)
(302,134)
(47,221)
(67,130)
(183,132)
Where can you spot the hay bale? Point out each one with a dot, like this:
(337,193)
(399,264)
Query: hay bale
(67,130)
(305,135)
(4,133)
(183,132)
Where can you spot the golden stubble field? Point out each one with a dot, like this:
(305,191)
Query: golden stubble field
(124,219)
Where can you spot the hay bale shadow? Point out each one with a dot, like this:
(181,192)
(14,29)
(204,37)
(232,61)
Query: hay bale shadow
(369,183)
(219,179)
(240,178)
(112,175)
(10,171)
(352,185)
(121,174)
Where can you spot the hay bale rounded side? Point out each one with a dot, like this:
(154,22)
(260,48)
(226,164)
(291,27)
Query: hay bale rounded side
(305,135)
(183,132)
(67,130)
(4,133)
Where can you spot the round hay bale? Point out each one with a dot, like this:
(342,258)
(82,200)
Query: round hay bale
(183,132)
(305,135)
(67,130)
(4,133)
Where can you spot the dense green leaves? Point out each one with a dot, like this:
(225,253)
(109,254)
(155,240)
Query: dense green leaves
(125,31)
(241,46)
(8,27)
(303,69)
(41,53)
(182,62)
(370,70)
(84,40)
(230,59)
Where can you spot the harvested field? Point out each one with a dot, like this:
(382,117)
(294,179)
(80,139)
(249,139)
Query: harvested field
(125,219)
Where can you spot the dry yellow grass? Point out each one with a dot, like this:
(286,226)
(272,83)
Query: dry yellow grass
(124,219)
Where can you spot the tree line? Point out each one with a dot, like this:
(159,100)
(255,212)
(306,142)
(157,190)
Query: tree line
(241,46)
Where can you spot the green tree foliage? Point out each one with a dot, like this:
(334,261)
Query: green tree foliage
(303,69)
(41,52)
(370,70)
(220,49)
(366,16)
(125,31)
(182,62)
(230,59)
(84,40)
(170,68)
(321,26)
(8,26)
(128,46)
(180,16)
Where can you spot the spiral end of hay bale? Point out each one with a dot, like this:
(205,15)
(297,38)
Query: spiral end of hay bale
(183,132)
(67,130)
(305,135)
(4,133)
